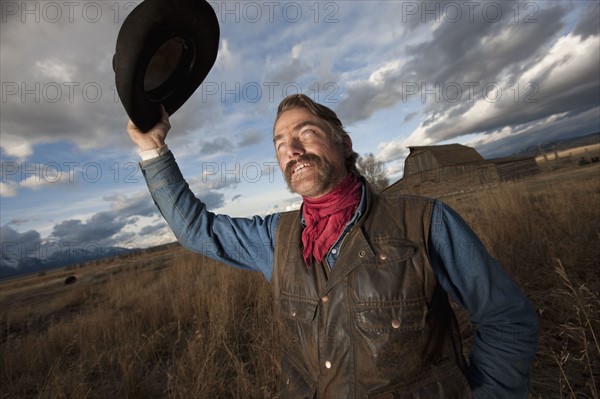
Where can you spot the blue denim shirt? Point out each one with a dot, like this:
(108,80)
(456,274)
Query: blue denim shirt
(506,325)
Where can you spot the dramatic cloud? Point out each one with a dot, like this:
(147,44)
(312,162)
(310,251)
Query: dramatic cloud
(50,97)
(292,69)
(8,189)
(212,199)
(567,79)
(68,93)
(147,230)
(139,204)
(15,245)
(106,228)
(251,138)
(217,146)
(98,228)
(477,76)
(589,20)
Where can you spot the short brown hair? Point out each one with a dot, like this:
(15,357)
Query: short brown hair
(326,114)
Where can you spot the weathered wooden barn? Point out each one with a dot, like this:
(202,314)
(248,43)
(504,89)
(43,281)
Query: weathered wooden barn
(424,159)
(457,163)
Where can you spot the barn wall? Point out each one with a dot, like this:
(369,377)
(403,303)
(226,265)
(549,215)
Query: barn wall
(420,162)
(480,173)
(462,165)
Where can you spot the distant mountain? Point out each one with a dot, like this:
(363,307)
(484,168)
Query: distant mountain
(560,144)
(15,264)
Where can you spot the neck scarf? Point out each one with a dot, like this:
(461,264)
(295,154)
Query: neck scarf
(327,216)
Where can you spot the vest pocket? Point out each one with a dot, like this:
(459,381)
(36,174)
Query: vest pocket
(392,251)
(408,315)
(298,331)
(298,308)
(296,317)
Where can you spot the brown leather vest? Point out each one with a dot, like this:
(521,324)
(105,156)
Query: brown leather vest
(377,325)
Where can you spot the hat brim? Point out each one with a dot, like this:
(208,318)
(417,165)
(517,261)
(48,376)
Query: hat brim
(185,30)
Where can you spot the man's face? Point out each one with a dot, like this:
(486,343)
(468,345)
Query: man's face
(311,159)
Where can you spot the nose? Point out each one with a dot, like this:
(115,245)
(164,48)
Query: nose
(294,149)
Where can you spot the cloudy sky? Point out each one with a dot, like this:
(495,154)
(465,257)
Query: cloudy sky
(497,75)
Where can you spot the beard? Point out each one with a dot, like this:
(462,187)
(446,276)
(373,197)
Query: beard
(325,171)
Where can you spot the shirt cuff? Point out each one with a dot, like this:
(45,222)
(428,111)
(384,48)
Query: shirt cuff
(154,153)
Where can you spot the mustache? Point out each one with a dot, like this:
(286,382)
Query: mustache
(307,158)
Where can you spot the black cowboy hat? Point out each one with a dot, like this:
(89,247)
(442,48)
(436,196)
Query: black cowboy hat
(165,49)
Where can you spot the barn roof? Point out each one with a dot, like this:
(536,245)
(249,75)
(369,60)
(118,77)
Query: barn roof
(448,154)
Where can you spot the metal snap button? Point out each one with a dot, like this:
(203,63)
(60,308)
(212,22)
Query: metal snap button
(396,323)
(325,298)
(383,256)
(328,364)
(362,253)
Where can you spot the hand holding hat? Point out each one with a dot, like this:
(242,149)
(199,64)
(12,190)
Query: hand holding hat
(164,51)
(154,138)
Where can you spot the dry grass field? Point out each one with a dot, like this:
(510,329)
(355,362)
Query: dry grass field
(172,324)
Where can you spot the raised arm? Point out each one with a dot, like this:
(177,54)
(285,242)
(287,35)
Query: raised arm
(247,243)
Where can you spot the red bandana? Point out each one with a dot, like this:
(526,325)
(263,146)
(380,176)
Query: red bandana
(327,216)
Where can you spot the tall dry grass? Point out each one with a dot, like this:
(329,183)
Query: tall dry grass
(194,329)
(188,327)
(546,233)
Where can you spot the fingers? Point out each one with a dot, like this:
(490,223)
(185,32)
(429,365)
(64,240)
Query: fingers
(163,124)
(164,116)
(153,138)
(132,129)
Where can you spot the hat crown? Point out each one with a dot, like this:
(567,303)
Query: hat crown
(164,50)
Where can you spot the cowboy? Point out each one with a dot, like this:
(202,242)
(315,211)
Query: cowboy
(360,279)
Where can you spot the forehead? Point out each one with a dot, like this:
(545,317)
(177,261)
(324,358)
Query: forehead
(295,119)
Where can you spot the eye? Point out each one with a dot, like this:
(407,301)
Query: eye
(281,147)
(308,133)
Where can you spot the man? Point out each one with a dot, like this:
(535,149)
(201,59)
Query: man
(360,280)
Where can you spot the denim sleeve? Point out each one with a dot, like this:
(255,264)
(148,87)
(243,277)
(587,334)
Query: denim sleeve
(505,323)
(247,243)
